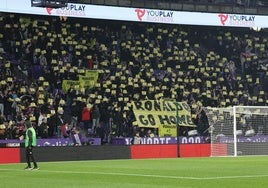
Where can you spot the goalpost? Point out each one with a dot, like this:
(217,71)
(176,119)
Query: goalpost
(238,130)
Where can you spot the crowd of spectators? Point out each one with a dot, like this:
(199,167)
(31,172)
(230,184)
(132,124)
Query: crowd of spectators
(204,66)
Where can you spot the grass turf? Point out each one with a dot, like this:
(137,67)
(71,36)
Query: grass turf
(244,172)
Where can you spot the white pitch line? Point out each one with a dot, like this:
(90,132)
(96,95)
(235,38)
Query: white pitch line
(147,175)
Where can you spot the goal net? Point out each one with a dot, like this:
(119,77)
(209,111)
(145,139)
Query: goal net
(238,130)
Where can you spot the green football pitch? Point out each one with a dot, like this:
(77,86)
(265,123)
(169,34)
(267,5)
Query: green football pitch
(229,172)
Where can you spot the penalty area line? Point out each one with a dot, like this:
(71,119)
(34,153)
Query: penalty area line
(145,175)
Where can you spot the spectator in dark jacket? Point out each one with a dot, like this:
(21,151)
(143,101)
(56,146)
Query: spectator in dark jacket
(43,128)
(95,117)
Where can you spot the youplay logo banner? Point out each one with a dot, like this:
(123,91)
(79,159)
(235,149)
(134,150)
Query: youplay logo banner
(223,18)
(237,20)
(138,14)
(162,16)
(70,10)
